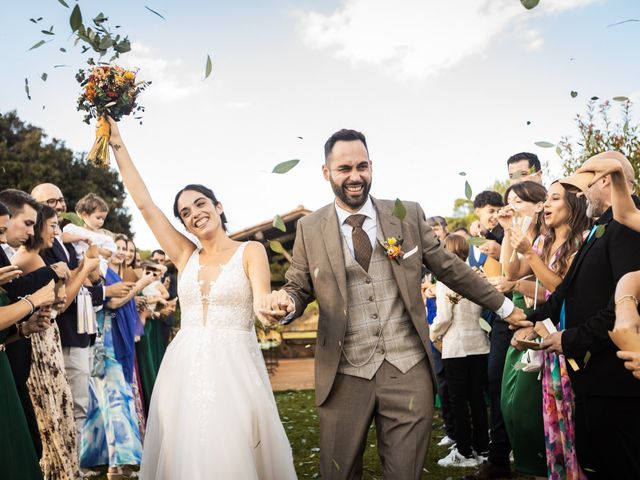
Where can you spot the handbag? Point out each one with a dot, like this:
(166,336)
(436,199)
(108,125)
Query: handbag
(86,314)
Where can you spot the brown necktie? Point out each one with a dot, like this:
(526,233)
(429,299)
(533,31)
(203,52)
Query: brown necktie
(362,248)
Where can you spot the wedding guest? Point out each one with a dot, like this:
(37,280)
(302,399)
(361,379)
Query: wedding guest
(626,305)
(17,453)
(524,167)
(464,354)
(487,204)
(439,226)
(607,420)
(463,232)
(548,258)
(48,385)
(158,256)
(111,434)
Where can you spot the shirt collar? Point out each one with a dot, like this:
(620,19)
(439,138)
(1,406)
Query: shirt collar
(367,210)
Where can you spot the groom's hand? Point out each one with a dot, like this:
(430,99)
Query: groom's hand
(517,319)
(277,305)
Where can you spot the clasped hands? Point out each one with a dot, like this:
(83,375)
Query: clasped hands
(274,307)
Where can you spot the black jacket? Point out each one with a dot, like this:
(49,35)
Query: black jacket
(587,291)
(68,320)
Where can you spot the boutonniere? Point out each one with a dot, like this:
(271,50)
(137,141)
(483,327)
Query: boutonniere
(393,248)
(600,229)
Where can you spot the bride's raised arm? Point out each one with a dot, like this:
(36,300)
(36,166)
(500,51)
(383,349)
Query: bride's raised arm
(175,244)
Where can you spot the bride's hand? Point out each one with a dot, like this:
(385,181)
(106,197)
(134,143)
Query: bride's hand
(115,138)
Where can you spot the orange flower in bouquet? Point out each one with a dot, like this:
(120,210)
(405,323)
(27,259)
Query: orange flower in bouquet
(112,91)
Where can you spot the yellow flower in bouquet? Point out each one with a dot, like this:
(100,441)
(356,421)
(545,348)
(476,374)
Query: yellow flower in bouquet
(107,90)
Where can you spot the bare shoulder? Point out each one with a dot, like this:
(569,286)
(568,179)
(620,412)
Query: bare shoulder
(253,251)
(27,261)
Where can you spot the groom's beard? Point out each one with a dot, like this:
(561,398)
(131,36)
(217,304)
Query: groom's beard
(340,191)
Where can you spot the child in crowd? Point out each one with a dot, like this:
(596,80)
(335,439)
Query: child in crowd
(93,211)
(464,355)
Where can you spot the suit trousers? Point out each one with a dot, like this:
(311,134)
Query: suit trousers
(607,437)
(499,445)
(77,363)
(402,407)
(466,379)
(443,393)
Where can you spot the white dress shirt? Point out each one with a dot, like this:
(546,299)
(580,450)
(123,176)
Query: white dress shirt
(8,250)
(370,225)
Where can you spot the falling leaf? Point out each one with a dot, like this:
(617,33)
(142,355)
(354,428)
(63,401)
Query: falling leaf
(47,32)
(467,190)
(624,21)
(545,144)
(559,151)
(574,94)
(528,122)
(399,211)
(621,99)
(587,357)
(276,246)
(73,218)
(316,271)
(529,4)
(300,138)
(279,223)
(463,174)
(63,50)
(44,77)
(484,325)
(411,403)
(593,99)
(63,3)
(75,20)
(208,68)
(38,45)
(153,11)
(26,88)
(600,231)
(336,464)
(284,167)
(477,241)
(58,66)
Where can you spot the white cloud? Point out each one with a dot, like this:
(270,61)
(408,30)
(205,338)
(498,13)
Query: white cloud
(414,39)
(169,80)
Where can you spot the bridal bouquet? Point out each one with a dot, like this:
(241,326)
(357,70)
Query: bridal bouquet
(107,90)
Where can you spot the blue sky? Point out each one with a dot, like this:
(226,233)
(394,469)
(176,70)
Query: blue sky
(437,87)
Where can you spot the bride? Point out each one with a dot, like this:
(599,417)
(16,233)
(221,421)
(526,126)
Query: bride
(212,412)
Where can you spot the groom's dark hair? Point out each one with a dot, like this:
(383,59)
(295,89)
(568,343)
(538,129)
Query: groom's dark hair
(343,135)
(207,192)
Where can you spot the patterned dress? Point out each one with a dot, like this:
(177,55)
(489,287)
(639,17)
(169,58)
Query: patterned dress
(53,405)
(110,435)
(558,408)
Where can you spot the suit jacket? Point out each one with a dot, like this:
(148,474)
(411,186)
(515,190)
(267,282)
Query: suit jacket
(587,291)
(68,320)
(318,271)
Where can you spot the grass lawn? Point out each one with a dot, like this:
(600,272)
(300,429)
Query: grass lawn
(300,418)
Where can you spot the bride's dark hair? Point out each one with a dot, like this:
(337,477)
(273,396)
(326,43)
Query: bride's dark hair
(204,191)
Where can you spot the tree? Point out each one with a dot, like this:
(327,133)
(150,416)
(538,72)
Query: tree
(27,158)
(598,133)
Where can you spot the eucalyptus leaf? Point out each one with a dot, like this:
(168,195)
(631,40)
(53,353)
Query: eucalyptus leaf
(153,11)
(284,167)
(75,20)
(621,99)
(467,190)
(574,94)
(279,223)
(37,45)
(47,32)
(73,218)
(26,88)
(463,174)
(399,210)
(594,98)
(484,325)
(545,144)
(477,241)
(276,246)
(62,2)
(529,4)
(209,67)
(44,77)
(558,151)
(63,50)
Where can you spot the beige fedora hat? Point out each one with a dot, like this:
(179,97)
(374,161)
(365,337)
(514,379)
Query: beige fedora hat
(580,182)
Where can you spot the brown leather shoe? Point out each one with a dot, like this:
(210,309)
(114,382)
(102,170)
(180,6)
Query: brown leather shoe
(490,470)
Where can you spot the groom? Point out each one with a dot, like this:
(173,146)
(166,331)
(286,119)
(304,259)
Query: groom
(372,354)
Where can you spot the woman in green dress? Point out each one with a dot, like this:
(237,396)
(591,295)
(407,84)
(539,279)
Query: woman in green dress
(521,400)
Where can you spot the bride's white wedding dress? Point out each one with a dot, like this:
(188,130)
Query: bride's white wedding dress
(212,413)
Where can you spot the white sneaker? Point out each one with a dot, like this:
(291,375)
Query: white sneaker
(481,457)
(447,441)
(456,459)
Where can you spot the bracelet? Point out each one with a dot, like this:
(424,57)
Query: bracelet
(26,299)
(21,334)
(627,297)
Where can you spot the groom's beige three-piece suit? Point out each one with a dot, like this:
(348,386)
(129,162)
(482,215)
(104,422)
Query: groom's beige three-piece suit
(373,352)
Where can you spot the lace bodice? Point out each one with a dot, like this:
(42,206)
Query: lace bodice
(230,300)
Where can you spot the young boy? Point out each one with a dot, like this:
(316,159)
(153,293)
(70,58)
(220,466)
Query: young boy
(93,211)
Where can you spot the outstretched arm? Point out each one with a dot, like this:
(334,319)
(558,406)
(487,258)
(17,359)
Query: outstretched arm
(178,247)
(256,265)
